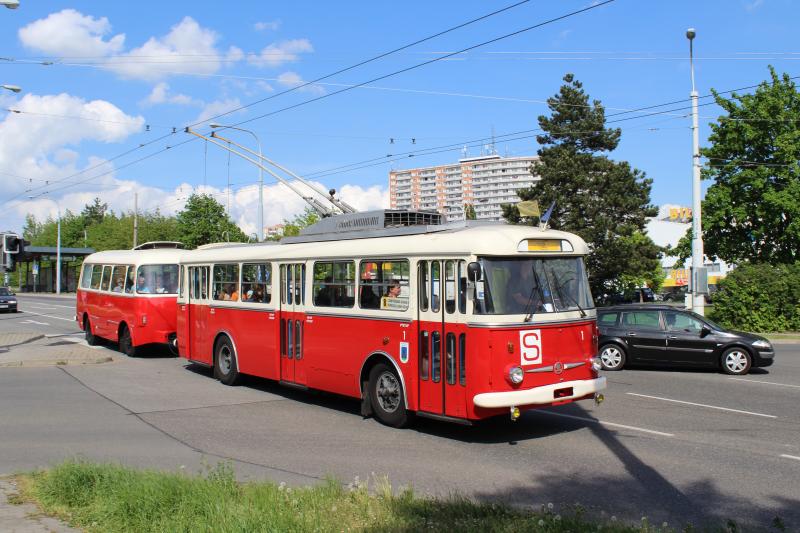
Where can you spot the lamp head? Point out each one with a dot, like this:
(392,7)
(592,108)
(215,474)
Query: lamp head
(10,4)
(215,125)
(13,88)
(690,33)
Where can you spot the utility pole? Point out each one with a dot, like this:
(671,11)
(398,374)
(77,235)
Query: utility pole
(698,299)
(58,255)
(135,219)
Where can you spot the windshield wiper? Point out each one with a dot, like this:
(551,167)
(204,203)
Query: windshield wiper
(569,297)
(536,285)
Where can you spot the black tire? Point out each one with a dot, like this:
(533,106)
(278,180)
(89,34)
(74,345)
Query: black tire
(387,397)
(126,342)
(226,368)
(91,338)
(736,361)
(612,356)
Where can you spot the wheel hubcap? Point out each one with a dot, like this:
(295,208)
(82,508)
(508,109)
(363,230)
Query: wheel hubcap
(388,392)
(736,361)
(225,359)
(611,357)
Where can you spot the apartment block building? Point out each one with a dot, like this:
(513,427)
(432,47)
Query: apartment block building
(484,182)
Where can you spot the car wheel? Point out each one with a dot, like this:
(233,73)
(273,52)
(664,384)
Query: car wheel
(126,342)
(612,357)
(226,368)
(736,361)
(91,338)
(386,396)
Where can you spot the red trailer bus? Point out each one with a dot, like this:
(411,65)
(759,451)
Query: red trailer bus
(455,322)
(128,296)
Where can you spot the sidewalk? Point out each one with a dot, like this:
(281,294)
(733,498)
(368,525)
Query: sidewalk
(25,348)
(25,517)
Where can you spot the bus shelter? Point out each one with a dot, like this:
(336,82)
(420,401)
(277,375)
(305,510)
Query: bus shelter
(36,268)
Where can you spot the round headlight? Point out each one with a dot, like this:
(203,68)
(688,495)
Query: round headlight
(516,375)
(597,365)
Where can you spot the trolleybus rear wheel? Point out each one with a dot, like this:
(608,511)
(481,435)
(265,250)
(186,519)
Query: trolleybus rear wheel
(91,339)
(387,396)
(226,369)
(126,342)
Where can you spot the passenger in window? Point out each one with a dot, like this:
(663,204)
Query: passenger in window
(258,294)
(231,293)
(393,291)
(325,295)
(117,285)
(141,285)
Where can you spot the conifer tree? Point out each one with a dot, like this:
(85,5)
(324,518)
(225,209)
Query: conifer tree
(605,202)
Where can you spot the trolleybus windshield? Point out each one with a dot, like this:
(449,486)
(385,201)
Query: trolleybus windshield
(541,285)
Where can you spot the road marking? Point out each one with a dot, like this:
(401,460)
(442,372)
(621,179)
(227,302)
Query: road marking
(34,322)
(790,457)
(610,424)
(701,405)
(40,306)
(766,382)
(50,316)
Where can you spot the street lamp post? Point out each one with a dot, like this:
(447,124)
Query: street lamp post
(260,232)
(58,255)
(698,300)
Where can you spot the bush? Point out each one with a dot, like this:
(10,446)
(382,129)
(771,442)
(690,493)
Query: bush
(759,297)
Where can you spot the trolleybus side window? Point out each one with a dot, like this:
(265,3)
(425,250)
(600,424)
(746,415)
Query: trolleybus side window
(450,286)
(436,355)
(226,282)
(334,284)
(462,287)
(422,285)
(130,279)
(299,284)
(462,358)
(97,275)
(424,356)
(257,283)
(106,278)
(450,358)
(435,289)
(86,276)
(118,278)
(384,285)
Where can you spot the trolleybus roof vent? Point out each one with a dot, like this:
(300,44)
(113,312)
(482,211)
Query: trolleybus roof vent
(366,224)
(152,245)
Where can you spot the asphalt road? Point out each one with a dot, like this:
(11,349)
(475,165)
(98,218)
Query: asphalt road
(676,446)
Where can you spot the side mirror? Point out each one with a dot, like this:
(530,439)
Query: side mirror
(474,271)
(704,331)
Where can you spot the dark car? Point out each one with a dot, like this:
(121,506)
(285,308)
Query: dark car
(8,300)
(662,335)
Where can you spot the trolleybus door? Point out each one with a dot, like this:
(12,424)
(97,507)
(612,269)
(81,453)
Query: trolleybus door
(292,323)
(442,341)
(198,315)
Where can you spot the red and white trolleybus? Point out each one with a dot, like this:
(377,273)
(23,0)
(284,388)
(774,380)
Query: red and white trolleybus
(458,321)
(129,296)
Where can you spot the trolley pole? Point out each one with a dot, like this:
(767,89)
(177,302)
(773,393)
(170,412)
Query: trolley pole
(135,218)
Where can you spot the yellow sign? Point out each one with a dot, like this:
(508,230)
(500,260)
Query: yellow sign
(544,245)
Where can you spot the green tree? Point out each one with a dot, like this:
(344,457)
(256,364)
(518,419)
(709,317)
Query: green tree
(293,227)
(752,210)
(469,212)
(605,202)
(95,212)
(203,220)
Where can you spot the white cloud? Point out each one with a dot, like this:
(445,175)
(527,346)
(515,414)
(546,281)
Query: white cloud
(276,54)
(234,54)
(217,107)
(70,33)
(34,144)
(160,95)
(293,79)
(187,47)
(269,25)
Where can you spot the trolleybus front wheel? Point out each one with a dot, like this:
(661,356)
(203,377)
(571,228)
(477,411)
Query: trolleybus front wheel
(386,396)
(225,367)
(91,339)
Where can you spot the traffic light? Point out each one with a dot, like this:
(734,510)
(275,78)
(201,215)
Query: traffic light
(11,243)
(9,262)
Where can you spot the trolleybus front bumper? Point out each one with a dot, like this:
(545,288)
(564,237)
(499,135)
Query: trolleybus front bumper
(546,394)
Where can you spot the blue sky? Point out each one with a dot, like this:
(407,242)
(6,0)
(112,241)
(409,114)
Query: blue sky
(123,77)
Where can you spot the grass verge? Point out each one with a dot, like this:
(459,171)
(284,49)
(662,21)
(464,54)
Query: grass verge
(110,498)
